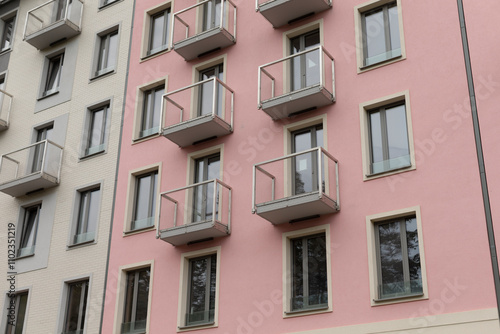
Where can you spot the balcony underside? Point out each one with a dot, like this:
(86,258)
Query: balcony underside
(296,102)
(192,232)
(27,184)
(61,30)
(296,208)
(202,43)
(196,130)
(281,12)
(3,125)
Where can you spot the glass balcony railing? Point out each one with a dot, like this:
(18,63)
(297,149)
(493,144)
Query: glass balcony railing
(198,212)
(204,27)
(198,112)
(52,22)
(281,12)
(35,167)
(296,187)
(298,83)
(5,108)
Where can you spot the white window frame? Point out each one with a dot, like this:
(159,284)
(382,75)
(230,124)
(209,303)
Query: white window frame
(371,223)
(287,270)
(359,31)
(184,289)
(364,109)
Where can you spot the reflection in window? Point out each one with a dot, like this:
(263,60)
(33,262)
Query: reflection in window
(145,200)
(108,53)
(202,288)
(398,258)
(309,273)
(381,40)
(29,230)
(136,301)
(21,302)
(88,214)
(159,31)
(151,111)
(389,148)
(53,75)
(211,14)
(74,321)
(97,131)
(207,168)
(206,93)
(305,166)
(7,34)
(305,68)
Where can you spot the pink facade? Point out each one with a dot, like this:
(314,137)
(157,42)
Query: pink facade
(442,180)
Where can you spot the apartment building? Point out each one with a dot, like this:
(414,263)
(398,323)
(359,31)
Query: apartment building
(63,68)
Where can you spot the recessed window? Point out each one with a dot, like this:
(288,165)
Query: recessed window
(151,111)
(88,215)
(145,200)
(108,53)
(53,75)
(206,168)
(159,31)
(305,166)
(21,305)
(7,33)
(305,70)
(76,307)
(206,91)
(29,228)
(135,311)
(212,14)
(108,2)
(307,264)
(38,151)
(398,258)
(389,148)
(202,287)
(96,138)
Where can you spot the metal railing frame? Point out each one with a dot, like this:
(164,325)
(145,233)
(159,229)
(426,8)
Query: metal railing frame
(320,150)
(321,66)
(11,97)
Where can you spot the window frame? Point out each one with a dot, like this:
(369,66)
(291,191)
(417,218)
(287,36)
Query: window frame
(147,30)
(87,131)
(25,211)
(152,198)
(359,13)
(65,300)
(372,222)
(365,108)
(105,3)
(103,53)
(184,288)
(8,298)
(10,17)
(76,215)
(135,295)
(149,111)
(287,239)
(49,74)
(165,32)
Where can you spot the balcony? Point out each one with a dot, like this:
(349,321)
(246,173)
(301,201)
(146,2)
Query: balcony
(187,216)
(281,198)
(281,12)
(204,27)
(296,84)
(5,107)
(35,167)
(52,22)
(198,112)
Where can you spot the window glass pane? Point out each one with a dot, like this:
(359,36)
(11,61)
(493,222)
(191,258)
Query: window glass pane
(97,128)
(152,111)
(136,301)
(376,137)
(142,296)
(391,259)
(297,275)
(202,289)
(113,49)
(129,297)
(397,134)
(143,195)
(316,268)
(157,32)
(7,34)
(28,235)
(413,255)
(53,74)
(375,36)
(157,107)
(21,300)
(77,304)
(394,30)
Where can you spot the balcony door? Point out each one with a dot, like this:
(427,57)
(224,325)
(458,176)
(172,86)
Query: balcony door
(206,93)
(206,168)
(60,10)
(42,134)
(305,69)
(211,14)
(305,166)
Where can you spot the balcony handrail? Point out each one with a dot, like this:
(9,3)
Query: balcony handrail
(30,13)
(273,178)
(176,16)
(199,83)
(34,144)
(4,92)
(322,50)
(214,181)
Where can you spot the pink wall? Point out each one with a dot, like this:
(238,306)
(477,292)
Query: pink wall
(445,184)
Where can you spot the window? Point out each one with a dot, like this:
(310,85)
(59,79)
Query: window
(387,136)
(379,33)
(108,52)
(211,14)
(60,9)
(76,307)
(159,31)
(29,229)
(199,290)
(96,141)
(305,166)
(305,70)
(53,76)
(206,91)
(107,2)
(7,33)
(307,263)
(88,215)
(145,200)
(21,303)
(38,151)
(398,258)
(206,168)
(136,301)
(151,111)
(309,277)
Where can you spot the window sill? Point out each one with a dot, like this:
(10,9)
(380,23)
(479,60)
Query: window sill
(368,177)
(25,256)
(308,311)
(366,68)
(387,299)
(93,155)
(145,138)
(81,244)
(5,51)
(102,7)
(198,326)
(156,54)
(48,94)
(103,74)
(139,230)
(400,299)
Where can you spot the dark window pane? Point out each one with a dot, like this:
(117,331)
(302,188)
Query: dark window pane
(413,255)
(391,260)
(202,288)
(317,274)
(76,307)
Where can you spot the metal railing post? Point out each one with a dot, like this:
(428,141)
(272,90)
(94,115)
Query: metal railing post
(253,187)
